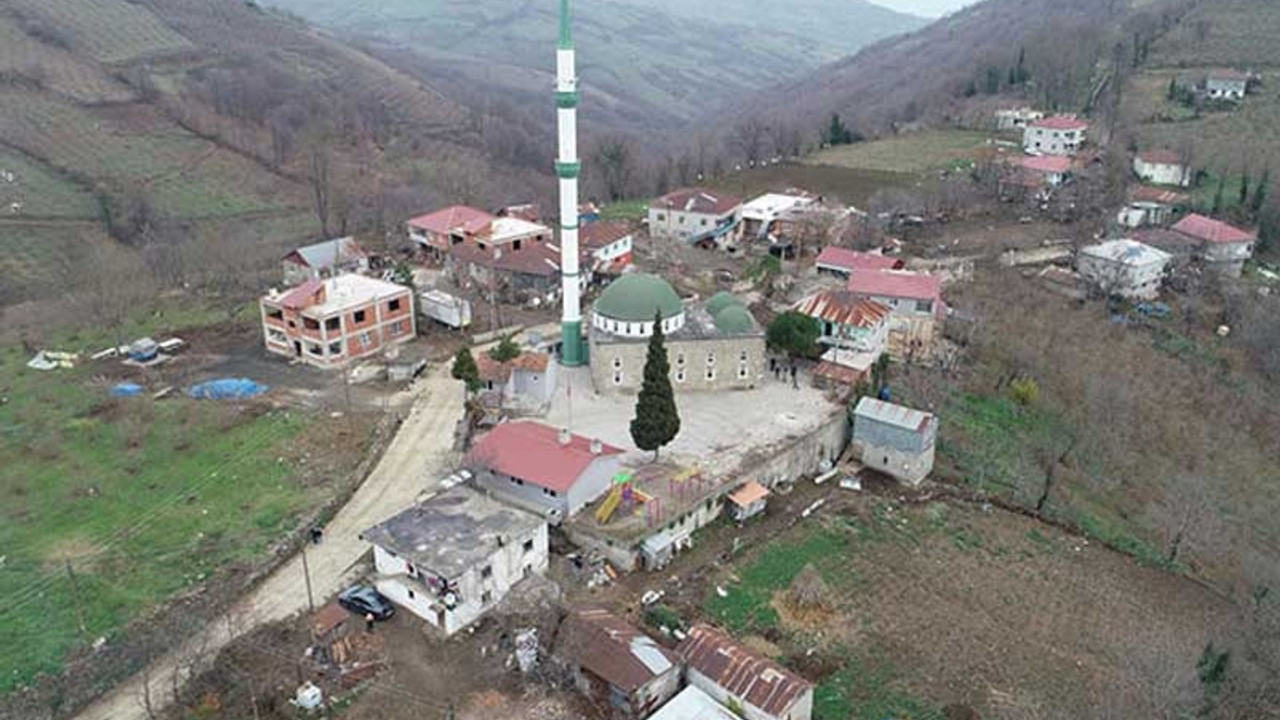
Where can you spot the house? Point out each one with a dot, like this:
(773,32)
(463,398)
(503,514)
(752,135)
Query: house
(762,216)
(610,246)
(612,661)
(544,469)
(742,679)
(451,558)
(896,440)
(915,301)
(1016,118)
(439,231)
(848,321)
(697,215)
(747,501)
(1126,268)
(329,323)
(527,382)
(839,262)
(693,704)
(1222,247)
(1046,170)
(1151,207)
(1162,167)
(531,272)
(324,260)
(529,212)
(1182,248)
(1056,135)
(1226,85)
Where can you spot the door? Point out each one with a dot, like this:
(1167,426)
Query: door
(297,348)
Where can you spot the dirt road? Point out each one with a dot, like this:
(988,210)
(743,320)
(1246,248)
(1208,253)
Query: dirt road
(418,457)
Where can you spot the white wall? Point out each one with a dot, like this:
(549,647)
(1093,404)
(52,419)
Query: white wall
(1052,142)
(1124,279)
(1162,173)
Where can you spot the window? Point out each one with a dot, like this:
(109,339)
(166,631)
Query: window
(661,217)
(704,222)
(486,571)
(276,336)
(680,359)
(366,339)
(315,349)
(411,595)
(310,323)
(359,316)
(924,306)
(680,376)
(335,348)
(617,363)
(486,597)
(742,356)
(528,546)
(711,374)
(397,327)
(742,372)
(617,378)
(711,359)
(333,324)
(394,305)
(275,313)
(548,492)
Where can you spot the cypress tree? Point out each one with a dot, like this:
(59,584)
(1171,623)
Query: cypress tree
(657,421)
(1219,198)
(466,370)
(1261,191)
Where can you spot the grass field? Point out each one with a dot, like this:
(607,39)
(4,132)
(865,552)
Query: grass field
(850,185)
(910,153)
(141,498)
(109,31)
(35,259)
(183,175)
(935,605)
(41,192)
(62,72)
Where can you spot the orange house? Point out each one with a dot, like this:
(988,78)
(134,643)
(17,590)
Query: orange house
(329,323)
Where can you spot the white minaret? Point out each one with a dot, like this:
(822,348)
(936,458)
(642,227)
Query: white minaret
(568,168)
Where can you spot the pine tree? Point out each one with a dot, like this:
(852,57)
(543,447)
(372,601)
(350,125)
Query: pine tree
(1173,89)
(1245,181)
(465,369)
(1261,192)
(657,421)
(505,351)
(837,133)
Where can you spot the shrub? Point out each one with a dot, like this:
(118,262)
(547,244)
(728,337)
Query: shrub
(1024,391)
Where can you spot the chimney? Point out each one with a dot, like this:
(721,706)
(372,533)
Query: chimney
(565,436)
(597,447)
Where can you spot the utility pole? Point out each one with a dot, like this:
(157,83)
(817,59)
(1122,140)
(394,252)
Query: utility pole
(75,591)
(306,573)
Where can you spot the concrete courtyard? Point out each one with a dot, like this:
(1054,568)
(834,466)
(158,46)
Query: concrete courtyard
(716,429)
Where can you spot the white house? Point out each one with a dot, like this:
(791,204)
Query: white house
(743,679)
(896,440)
(611,246)
(324,260)
(1016,118)
(527,382)
(1126,268)
(1057,135)
(545,469)
(697,215)
(450,559)
(1162,167)
(760,216)
(1226,85)
(1224,248)
(915,302)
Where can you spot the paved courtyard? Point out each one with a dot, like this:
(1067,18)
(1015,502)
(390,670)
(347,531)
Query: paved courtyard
(716,429)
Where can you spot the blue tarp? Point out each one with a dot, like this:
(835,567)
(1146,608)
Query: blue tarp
(126,389)
(227,389)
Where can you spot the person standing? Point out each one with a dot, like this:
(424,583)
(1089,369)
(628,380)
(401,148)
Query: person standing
(368,622)
(794,383)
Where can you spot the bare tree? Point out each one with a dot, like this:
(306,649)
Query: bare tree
(749,139)
(614,157)
(320,176)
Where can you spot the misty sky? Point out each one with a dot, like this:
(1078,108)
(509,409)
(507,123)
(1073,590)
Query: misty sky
(926,8)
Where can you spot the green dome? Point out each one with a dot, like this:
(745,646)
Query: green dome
(636,297)
(734,320)
(720,301)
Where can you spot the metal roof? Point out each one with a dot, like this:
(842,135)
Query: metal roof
(896,415)
(612,649)
(756,680)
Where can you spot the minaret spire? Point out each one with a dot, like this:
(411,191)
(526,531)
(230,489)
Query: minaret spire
(568,168)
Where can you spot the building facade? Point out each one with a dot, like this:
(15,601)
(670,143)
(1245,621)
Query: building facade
(1057,135)
(1162,167)
(697,215)
(1125,268)
(324,260)
(895,440)
(848,321)
(915,304)
(741,678)
(711,346)
(1223,248)
(1226,85)
(329,323)
(452,558)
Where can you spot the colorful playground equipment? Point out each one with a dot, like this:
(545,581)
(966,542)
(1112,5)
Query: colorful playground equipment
(624,492)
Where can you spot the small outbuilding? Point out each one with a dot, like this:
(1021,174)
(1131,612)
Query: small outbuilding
(612,661)
(895,440)
(693,704)
(747,501)
(757,687)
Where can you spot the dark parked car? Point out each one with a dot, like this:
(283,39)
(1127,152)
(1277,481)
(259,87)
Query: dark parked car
(364,600)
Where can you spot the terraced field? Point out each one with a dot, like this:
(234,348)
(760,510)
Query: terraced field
(183,175)
(109,31)
(29,189)
(60,71)
(36,257)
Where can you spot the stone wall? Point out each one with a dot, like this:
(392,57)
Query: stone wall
(696,365)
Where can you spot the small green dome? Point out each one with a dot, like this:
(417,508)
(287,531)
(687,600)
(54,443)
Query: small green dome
(734,320)
(636,297)
(720,301)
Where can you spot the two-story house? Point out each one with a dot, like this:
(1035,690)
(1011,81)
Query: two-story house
(915,304)
(1162,167)
(329,323)
(1056,135)
(896,440)
(697,215)
(438,232)
(1223,247)
(451,558)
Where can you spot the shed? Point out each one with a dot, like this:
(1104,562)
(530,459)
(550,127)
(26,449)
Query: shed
(895,440)
(748,501)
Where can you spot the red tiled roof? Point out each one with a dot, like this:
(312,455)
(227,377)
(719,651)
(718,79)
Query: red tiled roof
(750,492)
(1160,157)
(758,681)
(458,218)
(1229,74)
(1061,122)
(607,646)
(698,200)
(532,452)
(596,235)
(845,308)
(301,296)
(495,371)
(1045,163)
(846,259)
(1212,231)
(894,284)
(534,259)
(1146,193)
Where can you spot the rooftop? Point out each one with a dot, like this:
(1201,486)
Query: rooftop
(750,492)
(1045,163)
(495,371)
(896,284)
(759,681)
(1060,122)
(509,228)
(596,235)
(1146,193)
(607,646)
(846,259)
(1212,231)
(329,253)
(770,205)
(845,308)
(534,259)
(1126,252)
(896,415)
(534,453)
(1160,157)
(693,704)
(1229,75)
(457,218)
(698,200)
(324,297)
(451,532)
(637,297)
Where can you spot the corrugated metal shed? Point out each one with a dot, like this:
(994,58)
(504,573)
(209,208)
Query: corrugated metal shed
(693,704)
(758,681)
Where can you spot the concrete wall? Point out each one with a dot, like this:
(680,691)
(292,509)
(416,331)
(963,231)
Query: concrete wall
(1044,141)
(350,338)
(696,365)
(680,225)
(1162,174)
(801,709)
(593,483)
(1132,281)
(1227,259)
(533,386)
